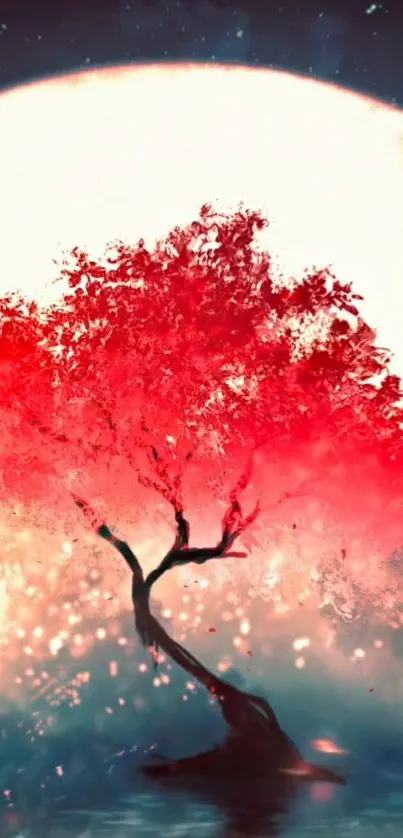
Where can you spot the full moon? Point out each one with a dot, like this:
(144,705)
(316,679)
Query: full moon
(124,153)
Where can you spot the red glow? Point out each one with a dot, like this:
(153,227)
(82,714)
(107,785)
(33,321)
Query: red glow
(322,792)
(326,746)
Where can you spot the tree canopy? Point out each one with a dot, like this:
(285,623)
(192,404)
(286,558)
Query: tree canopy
(197,345)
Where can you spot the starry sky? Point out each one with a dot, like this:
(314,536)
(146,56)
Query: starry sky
(354,43)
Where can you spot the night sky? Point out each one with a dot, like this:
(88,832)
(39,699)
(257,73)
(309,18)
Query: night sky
(352,43)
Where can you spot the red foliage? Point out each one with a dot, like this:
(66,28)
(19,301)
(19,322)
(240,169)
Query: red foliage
(196,341)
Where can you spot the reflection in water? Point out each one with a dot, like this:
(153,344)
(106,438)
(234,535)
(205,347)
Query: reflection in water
(174,815)
(151,818)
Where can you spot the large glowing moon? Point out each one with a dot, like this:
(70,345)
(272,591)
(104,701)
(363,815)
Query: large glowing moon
(130,152)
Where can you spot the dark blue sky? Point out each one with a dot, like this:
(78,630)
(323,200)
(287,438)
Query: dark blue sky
(354,43)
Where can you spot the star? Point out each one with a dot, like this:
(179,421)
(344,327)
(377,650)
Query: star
(374,7)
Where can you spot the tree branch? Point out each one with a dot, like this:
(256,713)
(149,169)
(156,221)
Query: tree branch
(180,553)
(255,732)
(148,626)
(233,525)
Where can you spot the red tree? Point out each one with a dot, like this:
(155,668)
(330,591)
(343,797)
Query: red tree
(195,346)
